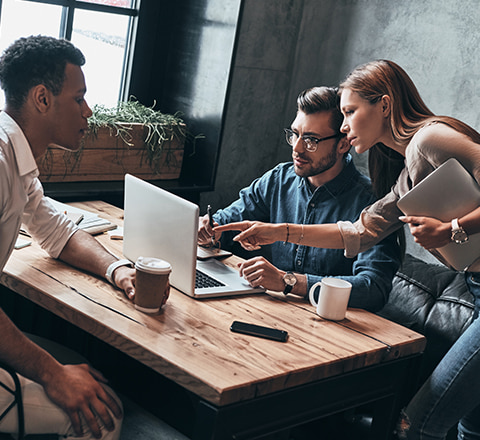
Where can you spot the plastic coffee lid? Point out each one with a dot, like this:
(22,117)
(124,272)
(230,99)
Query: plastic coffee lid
(153,265)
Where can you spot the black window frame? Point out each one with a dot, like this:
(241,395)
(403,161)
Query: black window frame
(66,29)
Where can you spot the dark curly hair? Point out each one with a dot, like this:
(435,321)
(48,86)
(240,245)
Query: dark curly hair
(35,60)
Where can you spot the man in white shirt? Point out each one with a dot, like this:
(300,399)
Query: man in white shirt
(44,91)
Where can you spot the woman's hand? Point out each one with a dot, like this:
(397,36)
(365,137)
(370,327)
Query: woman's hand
(428,232)
(255,234)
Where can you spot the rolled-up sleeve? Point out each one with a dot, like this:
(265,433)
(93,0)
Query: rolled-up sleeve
(351,238)
(50,228)
(429,148)
(376,221)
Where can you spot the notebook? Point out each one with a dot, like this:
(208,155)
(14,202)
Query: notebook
(448,192)
(160,224)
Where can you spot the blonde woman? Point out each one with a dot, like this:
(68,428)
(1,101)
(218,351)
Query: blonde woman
(385,115)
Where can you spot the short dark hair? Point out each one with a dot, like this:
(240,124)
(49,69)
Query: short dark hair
(322,99)
(35,60)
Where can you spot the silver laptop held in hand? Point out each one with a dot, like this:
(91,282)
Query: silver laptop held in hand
(448,192)
(160,224)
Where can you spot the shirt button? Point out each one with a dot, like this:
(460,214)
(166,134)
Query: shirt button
(299,262)
(312,205)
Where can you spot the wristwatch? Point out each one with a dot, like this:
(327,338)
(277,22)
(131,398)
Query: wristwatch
(290,280)
(459,235)
(113,266)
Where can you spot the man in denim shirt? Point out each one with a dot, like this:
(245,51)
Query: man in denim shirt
(322,185)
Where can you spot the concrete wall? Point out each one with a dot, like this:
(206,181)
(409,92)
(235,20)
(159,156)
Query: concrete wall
(285,46)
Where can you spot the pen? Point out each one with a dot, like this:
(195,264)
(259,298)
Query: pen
(210,218)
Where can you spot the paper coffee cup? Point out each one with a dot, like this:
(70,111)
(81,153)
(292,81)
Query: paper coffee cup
(151,278)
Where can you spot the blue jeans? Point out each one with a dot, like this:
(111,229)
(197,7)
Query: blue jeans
(452,393)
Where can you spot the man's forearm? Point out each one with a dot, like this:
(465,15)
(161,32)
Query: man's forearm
(84,252)
(22,354)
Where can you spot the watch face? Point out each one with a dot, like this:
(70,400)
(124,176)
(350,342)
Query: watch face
(290,279)
(460,236)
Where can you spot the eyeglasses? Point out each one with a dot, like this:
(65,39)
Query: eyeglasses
(310,142)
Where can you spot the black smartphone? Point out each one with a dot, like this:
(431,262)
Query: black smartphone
(260,331)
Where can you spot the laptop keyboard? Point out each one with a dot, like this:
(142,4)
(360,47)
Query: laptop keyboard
(202,281)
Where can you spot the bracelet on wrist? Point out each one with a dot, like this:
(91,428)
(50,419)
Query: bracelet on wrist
(288,234)
(301,236)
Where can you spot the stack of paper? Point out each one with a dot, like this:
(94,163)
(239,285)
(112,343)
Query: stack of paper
(86,220)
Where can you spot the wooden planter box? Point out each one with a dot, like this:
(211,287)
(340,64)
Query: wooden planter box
(107,156)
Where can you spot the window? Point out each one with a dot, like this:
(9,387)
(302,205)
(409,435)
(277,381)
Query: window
(102,29)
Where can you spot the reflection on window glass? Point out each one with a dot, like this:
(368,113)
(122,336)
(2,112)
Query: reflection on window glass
(118,3)
(102,39)
(100,36)
(20,19)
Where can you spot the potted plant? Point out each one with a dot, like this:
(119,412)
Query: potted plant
(129,138)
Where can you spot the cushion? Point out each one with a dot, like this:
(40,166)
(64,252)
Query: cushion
(432,300)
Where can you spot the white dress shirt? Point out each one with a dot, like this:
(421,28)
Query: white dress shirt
(22,199)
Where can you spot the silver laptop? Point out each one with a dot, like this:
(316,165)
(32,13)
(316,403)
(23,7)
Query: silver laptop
(163,225)
(448,192)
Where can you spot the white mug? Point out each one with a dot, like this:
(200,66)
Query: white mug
(332,299)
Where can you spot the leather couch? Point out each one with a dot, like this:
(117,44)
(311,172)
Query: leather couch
(432,300)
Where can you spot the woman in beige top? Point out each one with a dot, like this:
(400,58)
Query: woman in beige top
(385,115)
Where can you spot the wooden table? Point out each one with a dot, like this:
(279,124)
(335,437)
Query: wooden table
(246,386)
